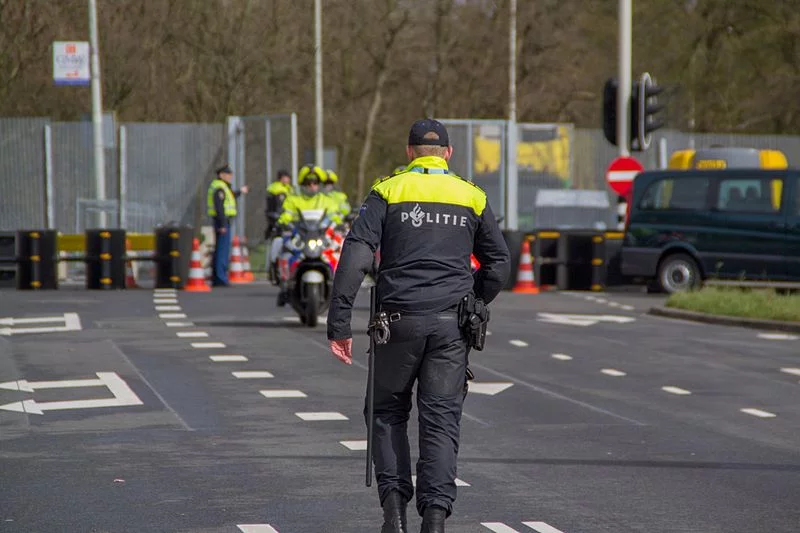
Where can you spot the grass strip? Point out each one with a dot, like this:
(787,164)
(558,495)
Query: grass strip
(748,303)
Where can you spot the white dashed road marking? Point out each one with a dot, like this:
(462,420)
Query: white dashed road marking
(561,357)
(675,390)
(179,324)
(777,336)
(758,412)
(459,482)
(256,528)
(613,372)
(165,301)
(614,304)
(168,308)
(793,371)
(282,393)
(498,527)
(354,445)
(541,527)
(628,307)
(191,334)
(227,358)
(172,315)
(318,417)
(208,345)
(519,343)
(252,374)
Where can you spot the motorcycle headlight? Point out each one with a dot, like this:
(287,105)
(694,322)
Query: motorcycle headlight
(314,247)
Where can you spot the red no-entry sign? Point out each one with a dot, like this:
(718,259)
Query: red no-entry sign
(620,174)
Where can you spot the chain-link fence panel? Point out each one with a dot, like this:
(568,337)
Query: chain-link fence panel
(74,185)
(167,169)
(22,173)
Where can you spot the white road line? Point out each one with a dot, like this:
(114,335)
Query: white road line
(613,372)
(191,334)
(628,307)
(172,315)
(498,527)
(172,301)
(541,527)
(758,412)
(286,393)
(614,304)
(777,336)
(355,445)
(793,371)
(179,324)
(601,300)
(252,374)
(675,390)
(227,358)
(321,416)
(459,482)
(208,345)
(561,357)
(256,528)
(168,308)
(164,290)
(72,321)
(519,343)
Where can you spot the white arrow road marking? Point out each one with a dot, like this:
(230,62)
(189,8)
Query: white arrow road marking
(72,322)
(319,417)
(38,320)
(541,527)
(582,320)
(793,371)
(489,389)
(252,374)
(355,445)
(256,528)
(758,412)
(676,390)
(613,372)
(519,343)
(123,396)
(30,386)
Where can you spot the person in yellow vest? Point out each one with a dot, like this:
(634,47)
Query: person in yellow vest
(277,193)
(222,209)
(337,197)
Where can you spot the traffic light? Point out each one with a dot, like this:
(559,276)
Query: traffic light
(610,110)
(646,107)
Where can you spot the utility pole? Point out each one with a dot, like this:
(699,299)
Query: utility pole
(512,181)
(624,88)
(318,85)
(97,112)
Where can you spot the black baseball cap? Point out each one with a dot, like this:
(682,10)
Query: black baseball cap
(428,132)
(225,169)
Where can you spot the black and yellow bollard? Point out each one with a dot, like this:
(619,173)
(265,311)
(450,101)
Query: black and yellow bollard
(105,259)
(172,255)
(37,260)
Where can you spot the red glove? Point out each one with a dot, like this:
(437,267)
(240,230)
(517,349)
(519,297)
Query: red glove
(343,350)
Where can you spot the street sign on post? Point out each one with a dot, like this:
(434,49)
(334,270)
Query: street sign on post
(620,174)
(71,63)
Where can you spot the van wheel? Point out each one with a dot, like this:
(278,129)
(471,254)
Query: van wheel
(678,273)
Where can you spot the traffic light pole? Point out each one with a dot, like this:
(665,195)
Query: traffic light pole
(624,88)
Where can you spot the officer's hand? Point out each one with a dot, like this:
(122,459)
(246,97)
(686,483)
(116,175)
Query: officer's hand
(244,189)
(343,350)
(222,231)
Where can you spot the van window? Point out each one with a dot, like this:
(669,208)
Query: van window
(750,195)
(685,193)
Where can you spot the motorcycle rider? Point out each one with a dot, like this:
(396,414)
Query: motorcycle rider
(310,198)
(338,197)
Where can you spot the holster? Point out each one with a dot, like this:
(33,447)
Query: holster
(473,319)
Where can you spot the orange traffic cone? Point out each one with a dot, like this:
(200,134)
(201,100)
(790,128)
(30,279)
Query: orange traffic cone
(248,275)
(236,273)
(197,281)
(130,279)
(525,282)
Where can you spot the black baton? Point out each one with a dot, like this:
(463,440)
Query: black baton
(371,381)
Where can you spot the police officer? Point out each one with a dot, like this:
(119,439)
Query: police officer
(222,209)
(339,198)
(277,192)
(426,222)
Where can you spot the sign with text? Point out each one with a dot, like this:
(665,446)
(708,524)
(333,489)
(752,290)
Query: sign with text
(71,63)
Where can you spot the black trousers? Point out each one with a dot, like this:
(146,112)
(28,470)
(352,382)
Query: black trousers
(431,350)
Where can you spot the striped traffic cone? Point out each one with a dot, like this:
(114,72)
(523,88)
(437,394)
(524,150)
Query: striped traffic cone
(236,272)
(247,275)
(130,279)
(197,281)
(525,282)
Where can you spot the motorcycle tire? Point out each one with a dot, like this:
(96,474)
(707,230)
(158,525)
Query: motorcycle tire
(312,305)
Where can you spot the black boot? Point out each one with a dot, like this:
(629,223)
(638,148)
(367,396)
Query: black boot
(394,513)
(433,520)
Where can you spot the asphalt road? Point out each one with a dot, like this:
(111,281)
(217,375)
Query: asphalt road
(603,419)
